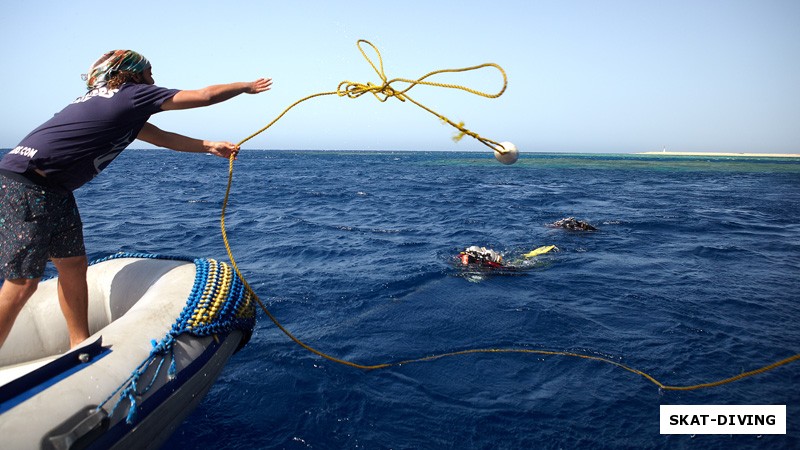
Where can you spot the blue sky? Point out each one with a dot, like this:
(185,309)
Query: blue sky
(584,76)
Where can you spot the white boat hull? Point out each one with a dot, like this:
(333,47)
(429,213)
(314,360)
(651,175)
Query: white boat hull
(133,303)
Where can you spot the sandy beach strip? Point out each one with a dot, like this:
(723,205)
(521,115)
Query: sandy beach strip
(747,155)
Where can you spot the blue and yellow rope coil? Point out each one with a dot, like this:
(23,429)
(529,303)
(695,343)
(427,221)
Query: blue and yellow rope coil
(218,303)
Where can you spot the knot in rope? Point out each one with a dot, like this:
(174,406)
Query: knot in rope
(464,132)
(354,90)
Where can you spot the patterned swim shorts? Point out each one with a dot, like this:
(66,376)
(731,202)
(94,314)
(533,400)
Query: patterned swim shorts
(36,223)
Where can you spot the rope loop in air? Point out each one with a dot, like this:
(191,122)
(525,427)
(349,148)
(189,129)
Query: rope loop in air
(385,90)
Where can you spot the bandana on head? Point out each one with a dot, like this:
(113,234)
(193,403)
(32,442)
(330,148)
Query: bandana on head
(111,63)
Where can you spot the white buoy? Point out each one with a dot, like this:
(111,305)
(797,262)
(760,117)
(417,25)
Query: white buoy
(506,153)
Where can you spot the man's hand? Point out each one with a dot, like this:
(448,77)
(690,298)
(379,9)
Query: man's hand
(260,85)
(221,148)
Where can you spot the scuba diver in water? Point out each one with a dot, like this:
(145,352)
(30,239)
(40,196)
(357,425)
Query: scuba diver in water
(482,256)
(570,223)
(487,258)
(482,260)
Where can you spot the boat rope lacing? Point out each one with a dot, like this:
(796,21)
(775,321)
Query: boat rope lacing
(383,92)
(218,303)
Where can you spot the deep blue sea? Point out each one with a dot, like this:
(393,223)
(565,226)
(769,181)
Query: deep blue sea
(693,276)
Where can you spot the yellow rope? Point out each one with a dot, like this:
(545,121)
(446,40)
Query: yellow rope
(253,293)
(382,93)
(385,91)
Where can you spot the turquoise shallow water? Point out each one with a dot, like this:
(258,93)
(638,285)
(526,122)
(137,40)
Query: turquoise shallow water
(692,277)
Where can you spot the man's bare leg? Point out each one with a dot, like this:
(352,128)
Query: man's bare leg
(13,296)
(73,296)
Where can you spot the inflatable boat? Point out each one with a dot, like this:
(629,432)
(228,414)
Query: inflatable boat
(163,329)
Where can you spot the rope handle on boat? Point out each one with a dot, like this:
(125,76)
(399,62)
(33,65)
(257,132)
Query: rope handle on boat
(383,92)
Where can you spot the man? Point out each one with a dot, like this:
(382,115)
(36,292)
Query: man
(39,219)
(570,223)
(481,255)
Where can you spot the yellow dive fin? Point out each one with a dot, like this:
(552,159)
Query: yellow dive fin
(539,251)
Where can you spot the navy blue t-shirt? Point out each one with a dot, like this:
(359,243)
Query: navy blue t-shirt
(82,139)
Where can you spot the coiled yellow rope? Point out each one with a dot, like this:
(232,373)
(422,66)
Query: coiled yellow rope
(383,92)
